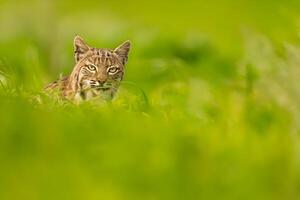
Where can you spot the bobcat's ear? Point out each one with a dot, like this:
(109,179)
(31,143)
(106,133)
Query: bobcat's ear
(122,51)
(80,48)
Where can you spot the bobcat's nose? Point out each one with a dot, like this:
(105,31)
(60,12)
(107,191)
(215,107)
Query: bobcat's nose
(101,82)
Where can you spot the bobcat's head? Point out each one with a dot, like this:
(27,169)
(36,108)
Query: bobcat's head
(98,72)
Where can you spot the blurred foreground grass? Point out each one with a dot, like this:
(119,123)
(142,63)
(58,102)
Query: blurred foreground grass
(205,111)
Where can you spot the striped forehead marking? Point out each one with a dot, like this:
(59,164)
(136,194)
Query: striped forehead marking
(102,56)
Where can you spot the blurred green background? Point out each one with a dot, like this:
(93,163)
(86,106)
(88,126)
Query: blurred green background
(209,108)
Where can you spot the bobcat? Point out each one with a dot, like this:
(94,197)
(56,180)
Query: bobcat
(97,73)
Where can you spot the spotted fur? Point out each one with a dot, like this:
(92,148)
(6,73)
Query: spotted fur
(97,72)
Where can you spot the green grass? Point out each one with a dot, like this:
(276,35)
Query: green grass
(209,108)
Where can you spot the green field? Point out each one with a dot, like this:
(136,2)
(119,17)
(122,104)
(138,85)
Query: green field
(209,108)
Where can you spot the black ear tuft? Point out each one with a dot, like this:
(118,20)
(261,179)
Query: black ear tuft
(80,48)
(122,51)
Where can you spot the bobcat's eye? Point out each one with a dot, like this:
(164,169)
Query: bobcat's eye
(91,67)
(112,70)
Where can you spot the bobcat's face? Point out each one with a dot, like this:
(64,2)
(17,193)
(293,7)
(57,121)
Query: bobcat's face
(98,72)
